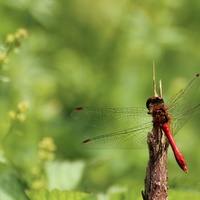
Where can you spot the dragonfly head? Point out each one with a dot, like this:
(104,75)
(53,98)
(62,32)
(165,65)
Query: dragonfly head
(154,101)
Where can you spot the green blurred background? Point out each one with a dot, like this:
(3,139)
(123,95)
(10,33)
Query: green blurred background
(98,53)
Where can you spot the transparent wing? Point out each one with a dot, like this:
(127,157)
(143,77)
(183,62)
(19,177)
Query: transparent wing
(181,105)
(113,119)
(131,126)
(133,138)
(181,118)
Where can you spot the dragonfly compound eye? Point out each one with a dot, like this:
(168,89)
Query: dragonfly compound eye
(154,101)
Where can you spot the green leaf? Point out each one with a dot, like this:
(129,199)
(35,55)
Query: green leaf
(64,175)
(59,195)
(11,188)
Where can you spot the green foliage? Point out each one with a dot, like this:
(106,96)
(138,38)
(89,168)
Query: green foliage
(95,53)
(56,194)
(63,175)
(174,194)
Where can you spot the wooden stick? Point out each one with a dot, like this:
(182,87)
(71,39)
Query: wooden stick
(156,180)
(154,81)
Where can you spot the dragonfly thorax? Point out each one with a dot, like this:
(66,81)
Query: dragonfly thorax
(158,111)
(160,114)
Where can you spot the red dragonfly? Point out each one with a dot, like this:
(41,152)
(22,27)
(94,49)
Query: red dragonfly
(130,125)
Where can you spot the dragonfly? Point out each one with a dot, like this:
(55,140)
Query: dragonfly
(128,126)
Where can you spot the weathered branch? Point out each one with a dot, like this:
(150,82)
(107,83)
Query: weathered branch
(156,181)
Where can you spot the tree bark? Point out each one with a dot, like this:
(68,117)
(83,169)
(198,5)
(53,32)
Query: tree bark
(156,181)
